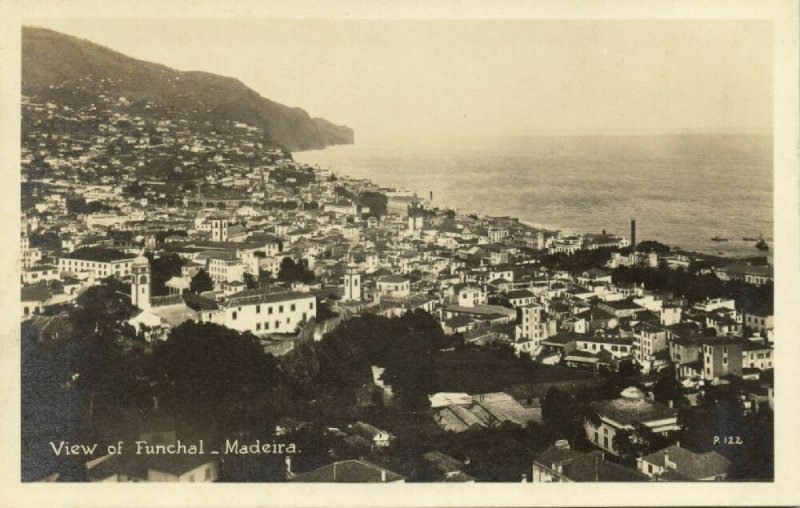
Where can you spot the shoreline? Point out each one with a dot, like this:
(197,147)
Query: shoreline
(550,228)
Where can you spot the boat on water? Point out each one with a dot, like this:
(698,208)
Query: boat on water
(719,239)
(761,244)
(749,239)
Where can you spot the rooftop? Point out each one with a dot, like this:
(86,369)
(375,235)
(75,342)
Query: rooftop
(632,407)
(350,471)
(695,466)
(99,254)
(263,295)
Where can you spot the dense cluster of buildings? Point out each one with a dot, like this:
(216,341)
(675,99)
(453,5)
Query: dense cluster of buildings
(236,210)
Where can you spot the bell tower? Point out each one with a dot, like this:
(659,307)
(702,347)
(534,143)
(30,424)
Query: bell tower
(352,284)
(140,284)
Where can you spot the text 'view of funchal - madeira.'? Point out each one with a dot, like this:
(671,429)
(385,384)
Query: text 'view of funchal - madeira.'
(199,306)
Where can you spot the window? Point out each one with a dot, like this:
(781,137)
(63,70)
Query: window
(724,361)
(277,324)
(234,314)
(311,306)
(269,310)
(258,309)
(280,308)
(258,326)
(293,308)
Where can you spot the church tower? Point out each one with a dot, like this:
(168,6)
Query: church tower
(352,284)
(219,229)
(140,283)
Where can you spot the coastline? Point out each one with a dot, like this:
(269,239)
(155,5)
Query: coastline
(733,250)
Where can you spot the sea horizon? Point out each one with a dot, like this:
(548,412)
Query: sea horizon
(586,183)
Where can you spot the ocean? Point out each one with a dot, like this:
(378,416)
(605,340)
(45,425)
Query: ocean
(682,190)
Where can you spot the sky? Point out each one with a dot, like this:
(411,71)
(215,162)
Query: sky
(459,78)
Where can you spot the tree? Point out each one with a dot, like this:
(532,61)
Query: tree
(637,442)
(651,246)
(163,269)
(376,201)
(294,272)
(217,377)
(264,276)
(201,282)
(668,390)
(628,368)
(324,311)
(250,281)
(559,412)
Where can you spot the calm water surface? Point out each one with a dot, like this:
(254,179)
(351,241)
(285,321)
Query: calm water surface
(683,190)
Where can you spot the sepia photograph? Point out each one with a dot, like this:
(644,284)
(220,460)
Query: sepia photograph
(396,250)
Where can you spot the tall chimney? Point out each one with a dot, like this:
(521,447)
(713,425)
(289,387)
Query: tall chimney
(633,234)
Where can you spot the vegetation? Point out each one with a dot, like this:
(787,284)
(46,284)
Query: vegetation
(201,282)
(215,377)
(80,206)
(292,271)
(651,246)
(376,201)
(696,287)
(721,414)
(162,269)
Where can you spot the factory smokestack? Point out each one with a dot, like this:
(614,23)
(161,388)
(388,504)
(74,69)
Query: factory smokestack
(431,200)
(633,235)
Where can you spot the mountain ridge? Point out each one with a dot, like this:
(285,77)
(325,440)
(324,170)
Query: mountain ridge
(75,70)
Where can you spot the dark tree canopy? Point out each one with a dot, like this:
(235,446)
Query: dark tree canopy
(651,246)
(162,269)
(376,201)
(292,271)
(214,374)
(201,282)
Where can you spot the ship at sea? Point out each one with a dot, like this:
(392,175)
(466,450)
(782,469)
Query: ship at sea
(761,244)
(719,239)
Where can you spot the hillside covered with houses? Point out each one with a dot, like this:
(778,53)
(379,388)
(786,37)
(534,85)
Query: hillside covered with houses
(185,280)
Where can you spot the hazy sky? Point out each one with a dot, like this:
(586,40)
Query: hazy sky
(463,78)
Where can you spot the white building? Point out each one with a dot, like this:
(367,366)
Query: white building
(99,263)
(470,296)
(625,414)
(394,286)
(225,267)
(263,311)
